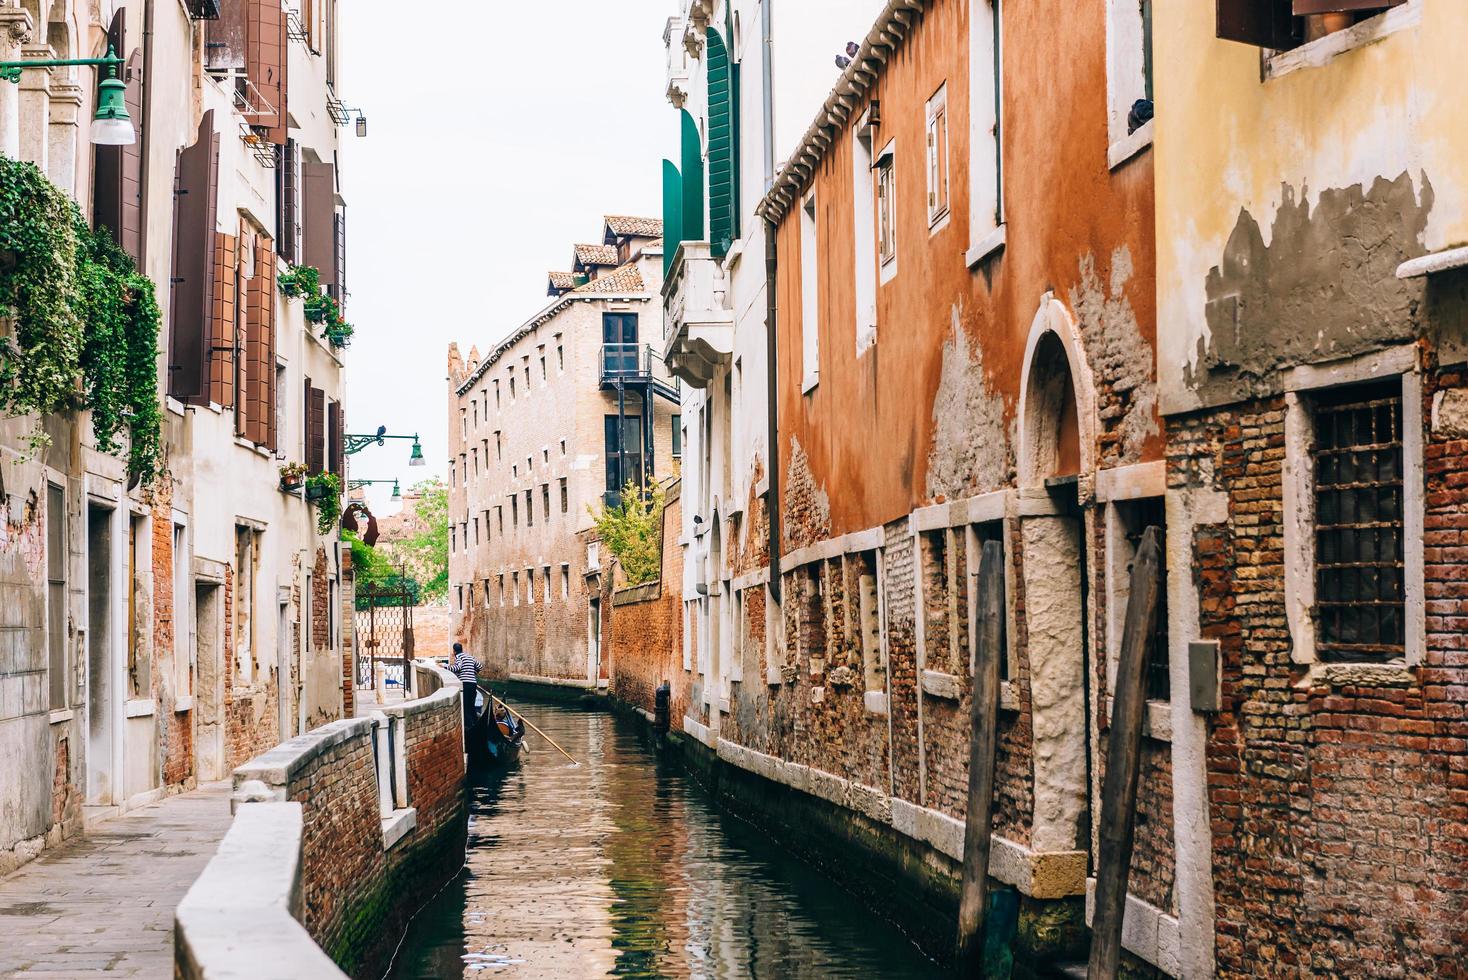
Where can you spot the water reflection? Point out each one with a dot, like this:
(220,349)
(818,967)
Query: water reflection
(622,867)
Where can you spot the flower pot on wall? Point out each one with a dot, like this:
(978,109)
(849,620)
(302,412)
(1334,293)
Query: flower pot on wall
(318,492)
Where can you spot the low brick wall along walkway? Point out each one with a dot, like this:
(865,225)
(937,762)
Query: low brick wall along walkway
(105,902)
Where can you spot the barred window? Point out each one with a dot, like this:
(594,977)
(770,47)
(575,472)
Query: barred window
(1359,579)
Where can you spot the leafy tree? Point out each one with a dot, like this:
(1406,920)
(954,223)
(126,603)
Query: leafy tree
(633,530)
(427,549)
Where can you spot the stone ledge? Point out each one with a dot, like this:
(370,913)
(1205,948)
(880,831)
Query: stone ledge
(553,681)
(940,685)
(634,594)
(396,826)
(1146,931)
(276,767)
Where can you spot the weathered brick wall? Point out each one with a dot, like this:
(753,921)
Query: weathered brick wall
(902,679)
(644,627)
(1340,811)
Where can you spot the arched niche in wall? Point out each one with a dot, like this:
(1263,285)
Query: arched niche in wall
(1057,404)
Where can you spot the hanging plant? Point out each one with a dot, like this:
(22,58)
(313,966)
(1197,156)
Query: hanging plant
(320,308)
(301,280)
(325,491)
(292,477)
(84,322)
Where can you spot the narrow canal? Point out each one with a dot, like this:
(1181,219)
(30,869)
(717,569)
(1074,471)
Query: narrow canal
(624,867)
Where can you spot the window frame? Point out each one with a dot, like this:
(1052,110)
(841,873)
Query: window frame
(936,147)
(985,176)
(810,295)
(886,165)
(1129,60)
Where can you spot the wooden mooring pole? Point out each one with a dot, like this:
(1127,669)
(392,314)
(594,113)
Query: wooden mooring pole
(1124,759)
(984,735)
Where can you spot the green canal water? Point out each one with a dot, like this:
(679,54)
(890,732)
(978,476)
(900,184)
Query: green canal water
(623,867)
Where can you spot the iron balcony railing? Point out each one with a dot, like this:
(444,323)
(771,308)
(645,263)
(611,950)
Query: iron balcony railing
(637,363)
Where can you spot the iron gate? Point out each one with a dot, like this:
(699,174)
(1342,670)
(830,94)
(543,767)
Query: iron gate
(384,631)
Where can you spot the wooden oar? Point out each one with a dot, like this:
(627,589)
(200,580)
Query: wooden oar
(528,723)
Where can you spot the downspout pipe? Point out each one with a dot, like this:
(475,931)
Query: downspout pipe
(146,130)
(772,397)
(767,64)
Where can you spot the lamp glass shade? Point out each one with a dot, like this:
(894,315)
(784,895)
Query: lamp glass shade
(111,125)
(396,493)
(113,132)
(361,126)
(415,458)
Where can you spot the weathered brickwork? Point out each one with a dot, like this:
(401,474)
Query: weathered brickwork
(1339,808)
(643,634)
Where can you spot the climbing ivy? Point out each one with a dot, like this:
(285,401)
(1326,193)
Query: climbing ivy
(85,321)
(633,530)
(305,281)
(325,491)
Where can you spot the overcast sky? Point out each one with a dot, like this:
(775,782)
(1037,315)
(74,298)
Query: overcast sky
(497,137)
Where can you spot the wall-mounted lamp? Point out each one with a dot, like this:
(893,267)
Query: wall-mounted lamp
(397,495)
(361,125)
(111,125)
(353,443)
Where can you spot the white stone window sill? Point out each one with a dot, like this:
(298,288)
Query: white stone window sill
(61,715)
(809,382)
(1323,50)
(940,685)
(937,222)
(1395,673)
(888,270)
(1156,723)
(986,246)
(173,405)
(397,825)
(875,702)
(143,708)
(183,704)
(1130,145)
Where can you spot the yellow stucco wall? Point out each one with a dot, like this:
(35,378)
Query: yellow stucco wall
(1228,141)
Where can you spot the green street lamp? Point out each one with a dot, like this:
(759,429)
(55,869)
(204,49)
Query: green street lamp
(355,442)
(397,495)
(111,125)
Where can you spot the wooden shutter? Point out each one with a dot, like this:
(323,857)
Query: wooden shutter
(306,424)
(196,188)
(266,56)
(1304,8)
(259,399)
(288,201)
(1262,23)
(692,157)
(316,445)
(117,184)
(339,255)
(225,38)
(224,320)
(334,436)
(672,213)
(318,238)
(722,130)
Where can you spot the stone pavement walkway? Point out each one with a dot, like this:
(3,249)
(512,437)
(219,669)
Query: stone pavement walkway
(104,903)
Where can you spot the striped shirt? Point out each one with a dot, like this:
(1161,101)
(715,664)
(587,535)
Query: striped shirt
(466,667)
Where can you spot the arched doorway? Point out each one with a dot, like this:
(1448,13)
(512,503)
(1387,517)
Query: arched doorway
(1057,413)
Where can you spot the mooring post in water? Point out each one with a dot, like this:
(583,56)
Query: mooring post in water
(1123,759)
(983,745)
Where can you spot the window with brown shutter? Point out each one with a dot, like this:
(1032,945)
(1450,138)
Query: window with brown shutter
(316,445)
(318,245)
(266,50)
(1280,25)
(333,436)
(224,320)
(259,399)
(288,201)
(306,423)
(339,257)
(191,305)
(225,38)
(117,185)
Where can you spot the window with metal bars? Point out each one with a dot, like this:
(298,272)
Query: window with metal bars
(1360,590)
(1136,517)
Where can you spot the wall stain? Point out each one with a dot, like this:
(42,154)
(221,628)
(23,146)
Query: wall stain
(807,505)
(1325,286)
(1121,360)
(971,451)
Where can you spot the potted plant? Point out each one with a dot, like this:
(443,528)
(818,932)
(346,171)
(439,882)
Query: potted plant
(325,491)
(292,477)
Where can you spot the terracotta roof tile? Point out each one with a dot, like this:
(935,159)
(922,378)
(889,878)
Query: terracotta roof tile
(625,280)
(624,224)
(596,255)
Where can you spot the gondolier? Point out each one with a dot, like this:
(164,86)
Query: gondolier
(467,669)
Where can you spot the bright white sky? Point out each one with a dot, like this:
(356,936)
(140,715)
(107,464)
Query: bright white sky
(497,137)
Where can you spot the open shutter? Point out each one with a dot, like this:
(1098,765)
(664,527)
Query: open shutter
(672,213)
(117,184)
(692,158)
(196,187)
(288,201)
(722,174)
(334,436)
(266,56)
(1262,23)
(319,232)
(258,403)
(1304,8)
(339,256)
(224,321)
(316,448)
(225,38)
(306,424)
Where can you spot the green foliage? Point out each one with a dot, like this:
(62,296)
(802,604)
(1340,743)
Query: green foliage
(633,530)
(368,564)
(427,550)
(86,321)
(305,281)
(325,491)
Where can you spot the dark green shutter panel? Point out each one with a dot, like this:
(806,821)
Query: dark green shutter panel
(692,181)
(723,171)
(672,213)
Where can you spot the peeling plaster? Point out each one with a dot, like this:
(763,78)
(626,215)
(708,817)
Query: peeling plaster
(1118,354)
(1321,286)
(972,452)
(807,505)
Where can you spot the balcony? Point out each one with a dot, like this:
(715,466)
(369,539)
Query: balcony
(678,58)
(636,364)
(698,325)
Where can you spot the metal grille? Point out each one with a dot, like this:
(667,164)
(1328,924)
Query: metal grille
(1359,590)
(384,633)
(1138,516)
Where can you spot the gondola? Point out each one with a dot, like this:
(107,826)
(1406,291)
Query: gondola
(498,736)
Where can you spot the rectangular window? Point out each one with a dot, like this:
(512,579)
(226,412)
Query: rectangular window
(866,620)
(565,581)
(496,396)
(475,404)
(529,509)
(542,367)
(887,210)
(620,350)
(1128,71)
(945,606)
(560,359)
(864,227)
(529,586)
(514,510)
(810,342)
(985,145)
(486,594)
(59,662)
(565,497)
(545,500)
(937,149)
(453,538)
(459,597)
(499,449)
(499,518)
(546,579)
(476,531)
(502,589)
(515,587)
(1360,590)
(677,436)
(563,449)
(183,642)
(488,529)
(1132,518)
(623,453)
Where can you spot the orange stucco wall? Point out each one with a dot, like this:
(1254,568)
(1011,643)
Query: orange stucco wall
(869,423)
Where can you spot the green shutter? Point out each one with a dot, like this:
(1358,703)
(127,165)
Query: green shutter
(672,213)
(723,159)
(692,230)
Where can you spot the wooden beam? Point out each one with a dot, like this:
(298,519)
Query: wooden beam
(983,748)
(1124,759)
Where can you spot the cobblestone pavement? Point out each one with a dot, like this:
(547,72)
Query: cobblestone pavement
(104,903)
